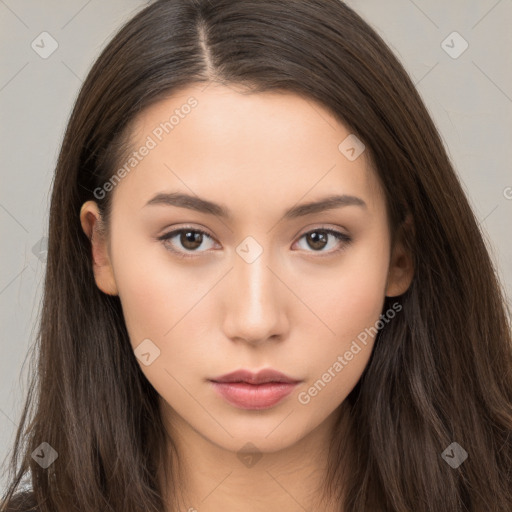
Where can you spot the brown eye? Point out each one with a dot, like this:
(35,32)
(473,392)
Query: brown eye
(189,240)
(316,240)
(319,239)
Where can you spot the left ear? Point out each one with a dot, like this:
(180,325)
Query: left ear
(401,266)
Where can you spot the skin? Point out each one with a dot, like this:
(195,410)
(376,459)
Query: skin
(291,309)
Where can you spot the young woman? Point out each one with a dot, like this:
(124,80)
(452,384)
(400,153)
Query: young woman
(266,289)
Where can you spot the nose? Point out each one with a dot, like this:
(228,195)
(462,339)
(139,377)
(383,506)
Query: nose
(254,300)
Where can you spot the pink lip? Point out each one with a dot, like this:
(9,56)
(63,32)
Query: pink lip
(253,396)
(248,390)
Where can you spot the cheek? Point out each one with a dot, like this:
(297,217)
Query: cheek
(349,301)
(164,302)
(143,300)
(151,293)
(349,296)
(159,303)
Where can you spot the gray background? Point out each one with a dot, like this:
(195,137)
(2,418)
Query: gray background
(469,97)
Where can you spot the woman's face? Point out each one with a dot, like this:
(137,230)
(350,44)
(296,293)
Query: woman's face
(261,288)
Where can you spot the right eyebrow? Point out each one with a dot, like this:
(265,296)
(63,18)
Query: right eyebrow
(182,200)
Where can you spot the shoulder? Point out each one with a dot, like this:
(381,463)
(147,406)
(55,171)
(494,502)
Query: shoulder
(22,502)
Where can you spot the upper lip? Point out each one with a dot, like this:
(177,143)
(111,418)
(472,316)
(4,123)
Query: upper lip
(263,376)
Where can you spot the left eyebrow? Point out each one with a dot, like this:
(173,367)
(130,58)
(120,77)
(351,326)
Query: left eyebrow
(201,205)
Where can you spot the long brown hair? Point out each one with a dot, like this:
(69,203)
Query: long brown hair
(439,373)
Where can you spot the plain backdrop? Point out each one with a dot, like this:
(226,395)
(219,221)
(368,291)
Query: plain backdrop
(468,91)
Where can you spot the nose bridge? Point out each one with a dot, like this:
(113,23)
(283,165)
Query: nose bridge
(253,309)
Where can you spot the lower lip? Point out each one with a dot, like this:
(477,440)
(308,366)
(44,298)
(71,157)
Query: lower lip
(251,396)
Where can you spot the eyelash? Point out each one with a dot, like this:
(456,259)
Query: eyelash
(337,234)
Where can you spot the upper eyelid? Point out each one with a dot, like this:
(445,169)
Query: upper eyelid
(332,231)
(204,231)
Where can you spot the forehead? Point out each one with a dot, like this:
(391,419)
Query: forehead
(221,143)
